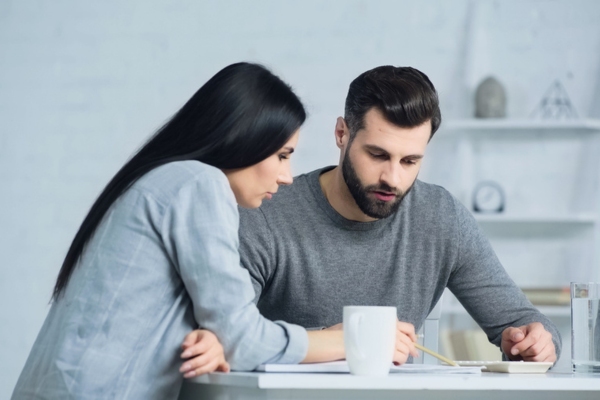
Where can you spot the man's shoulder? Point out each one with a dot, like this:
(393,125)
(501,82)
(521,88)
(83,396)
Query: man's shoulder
(434,200)
(288,194)
(431,192)
(289,200)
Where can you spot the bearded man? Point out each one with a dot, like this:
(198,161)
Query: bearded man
(368,232)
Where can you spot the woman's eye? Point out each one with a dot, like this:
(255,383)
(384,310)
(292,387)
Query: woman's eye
(283,156)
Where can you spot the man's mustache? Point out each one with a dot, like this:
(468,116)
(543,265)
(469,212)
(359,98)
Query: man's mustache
(384,188)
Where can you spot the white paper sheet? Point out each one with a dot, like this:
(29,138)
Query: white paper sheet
(342,367)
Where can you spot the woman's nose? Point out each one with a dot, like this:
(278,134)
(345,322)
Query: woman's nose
(285,177)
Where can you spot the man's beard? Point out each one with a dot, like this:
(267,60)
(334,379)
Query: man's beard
(372,207)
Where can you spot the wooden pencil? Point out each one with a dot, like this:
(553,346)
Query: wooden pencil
(436,355)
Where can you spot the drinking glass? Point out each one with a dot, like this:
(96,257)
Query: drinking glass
(585,327)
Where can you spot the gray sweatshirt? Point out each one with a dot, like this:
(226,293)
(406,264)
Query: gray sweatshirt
(307,261)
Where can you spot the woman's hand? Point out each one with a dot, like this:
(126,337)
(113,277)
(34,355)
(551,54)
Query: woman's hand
(405,342)
(204,353)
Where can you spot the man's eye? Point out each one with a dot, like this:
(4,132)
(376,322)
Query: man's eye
(409,162)
(379,156)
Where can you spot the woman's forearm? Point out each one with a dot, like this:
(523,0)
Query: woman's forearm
(325,345)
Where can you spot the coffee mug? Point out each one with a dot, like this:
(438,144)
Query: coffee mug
(369,339)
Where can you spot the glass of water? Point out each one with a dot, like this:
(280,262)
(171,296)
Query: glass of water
(585,327)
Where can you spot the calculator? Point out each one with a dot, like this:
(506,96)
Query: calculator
(515,367)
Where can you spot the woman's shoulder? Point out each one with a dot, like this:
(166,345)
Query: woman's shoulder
(171,179)
(183,171)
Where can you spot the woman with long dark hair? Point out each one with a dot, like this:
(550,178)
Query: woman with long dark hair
(156,256)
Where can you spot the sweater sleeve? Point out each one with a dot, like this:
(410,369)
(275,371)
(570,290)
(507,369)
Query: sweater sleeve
(200,232)
(485,289)
(256,249)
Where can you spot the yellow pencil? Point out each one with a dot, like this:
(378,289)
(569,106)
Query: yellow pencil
(436,355)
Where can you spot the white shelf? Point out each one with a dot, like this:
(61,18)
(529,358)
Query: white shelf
(585,219)
(466,125)
(549,311)
(555,311)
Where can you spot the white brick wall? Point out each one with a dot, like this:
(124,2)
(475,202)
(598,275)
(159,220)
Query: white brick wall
(82,84)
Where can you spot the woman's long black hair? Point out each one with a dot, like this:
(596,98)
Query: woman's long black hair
(241,116)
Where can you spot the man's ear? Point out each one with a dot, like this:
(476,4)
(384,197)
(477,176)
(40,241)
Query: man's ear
(342,133)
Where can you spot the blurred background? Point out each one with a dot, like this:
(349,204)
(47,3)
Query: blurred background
(83,84)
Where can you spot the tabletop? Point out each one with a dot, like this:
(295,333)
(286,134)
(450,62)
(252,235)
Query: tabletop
(256,385)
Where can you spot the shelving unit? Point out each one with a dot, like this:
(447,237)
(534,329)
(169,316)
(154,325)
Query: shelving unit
(581,219)
(550,311)
(549,232)
(481,125)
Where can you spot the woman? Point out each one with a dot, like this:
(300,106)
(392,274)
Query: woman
(156,256)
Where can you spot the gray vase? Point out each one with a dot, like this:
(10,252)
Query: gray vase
(490,99)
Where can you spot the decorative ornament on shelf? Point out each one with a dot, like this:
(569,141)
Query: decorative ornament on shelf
(555,104)
(490,99)
(488,197)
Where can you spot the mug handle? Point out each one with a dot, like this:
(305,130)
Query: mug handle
(354,324)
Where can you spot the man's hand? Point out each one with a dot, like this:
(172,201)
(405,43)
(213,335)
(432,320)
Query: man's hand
(204,353)
(529,343)
(405,342)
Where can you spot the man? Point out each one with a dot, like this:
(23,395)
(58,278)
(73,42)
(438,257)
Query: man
(367,232)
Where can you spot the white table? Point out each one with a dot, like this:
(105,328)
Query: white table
(487,386)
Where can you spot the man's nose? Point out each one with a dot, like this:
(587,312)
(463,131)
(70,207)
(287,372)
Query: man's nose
(391,175)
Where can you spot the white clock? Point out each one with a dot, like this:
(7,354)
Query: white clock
(488,197)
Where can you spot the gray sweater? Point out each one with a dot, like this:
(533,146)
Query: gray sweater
(307,261)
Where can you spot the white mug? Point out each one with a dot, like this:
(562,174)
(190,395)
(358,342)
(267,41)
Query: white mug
(369,339)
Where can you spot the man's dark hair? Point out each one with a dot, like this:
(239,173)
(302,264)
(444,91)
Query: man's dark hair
(404,95)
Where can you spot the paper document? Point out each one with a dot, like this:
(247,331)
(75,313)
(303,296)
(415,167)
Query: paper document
(342,368)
